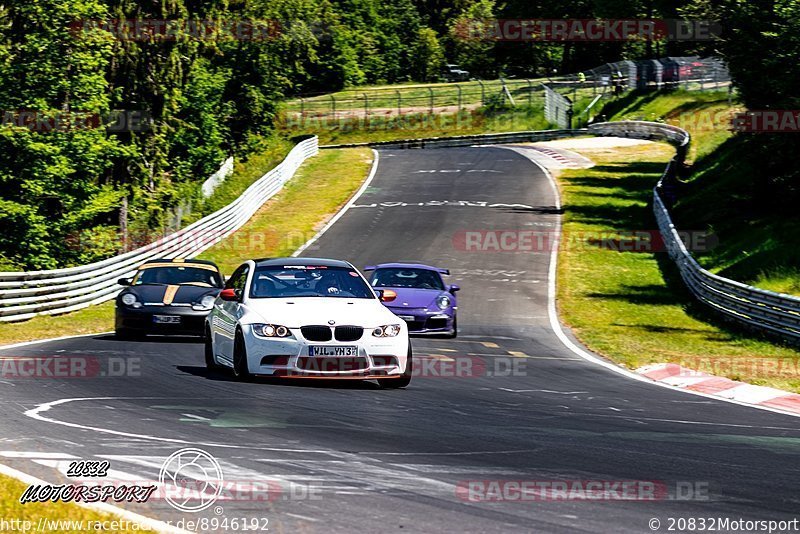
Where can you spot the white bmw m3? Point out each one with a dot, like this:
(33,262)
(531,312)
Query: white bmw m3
(306,318)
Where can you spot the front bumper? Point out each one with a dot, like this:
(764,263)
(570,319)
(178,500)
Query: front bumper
(424,321)
(141,320)
(289,357)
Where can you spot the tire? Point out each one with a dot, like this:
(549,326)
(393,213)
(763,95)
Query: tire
(404,380)
(240,369)
(455,328)
(211,365)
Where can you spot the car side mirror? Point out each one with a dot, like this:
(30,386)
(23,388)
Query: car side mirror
(229,294)
(454,288)
(124,281)
(386,295)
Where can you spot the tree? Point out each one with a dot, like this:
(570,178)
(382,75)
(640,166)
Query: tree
(428,56)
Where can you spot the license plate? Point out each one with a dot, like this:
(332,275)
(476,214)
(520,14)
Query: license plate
(325,350)
(407,318)
(167,319)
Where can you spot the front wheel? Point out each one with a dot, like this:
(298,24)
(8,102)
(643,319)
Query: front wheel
(405,378)
(454,333)
(241,370)
(211,364)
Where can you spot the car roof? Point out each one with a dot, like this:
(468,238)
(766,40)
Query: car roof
(326,262)
(178,261)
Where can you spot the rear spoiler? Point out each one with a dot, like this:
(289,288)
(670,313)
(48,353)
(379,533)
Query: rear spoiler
(442,271)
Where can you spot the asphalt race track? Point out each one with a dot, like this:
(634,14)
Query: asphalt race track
(506,401)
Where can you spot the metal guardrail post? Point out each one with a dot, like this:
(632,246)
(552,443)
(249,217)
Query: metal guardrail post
(530,92)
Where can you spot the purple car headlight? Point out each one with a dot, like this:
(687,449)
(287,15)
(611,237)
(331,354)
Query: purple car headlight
(443,301)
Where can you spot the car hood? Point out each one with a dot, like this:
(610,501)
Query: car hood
(297,312)
(184,294)
(408,297)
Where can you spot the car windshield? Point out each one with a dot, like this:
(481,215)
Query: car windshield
(177,275)
(405,277)
(293,281)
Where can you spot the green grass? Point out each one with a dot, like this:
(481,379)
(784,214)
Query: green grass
(632,306)
(247,171)
(414,95)
(283,224)
(86,321)
(756,245)
(322,185)
(419,125)
(11,509)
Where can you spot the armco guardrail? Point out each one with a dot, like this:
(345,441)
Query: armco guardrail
(26,294)
(759,309)
(529,136)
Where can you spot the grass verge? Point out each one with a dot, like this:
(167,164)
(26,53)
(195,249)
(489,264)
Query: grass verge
(321,186)
(352,129)
(632,306)
(55,517)
(86,321)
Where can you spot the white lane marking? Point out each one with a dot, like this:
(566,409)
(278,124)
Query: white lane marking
(195,417)
(373,171)
(457,470)
(38,455)
(150,524)
(439,203)
(36,413)
(460,453)
(352,467)
(542,391)
(304,518)
(235,473)
(113,474)
(39,341)
(555,324)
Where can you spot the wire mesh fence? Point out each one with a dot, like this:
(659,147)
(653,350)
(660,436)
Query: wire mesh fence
(583,91)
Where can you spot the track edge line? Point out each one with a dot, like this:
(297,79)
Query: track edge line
(555,322)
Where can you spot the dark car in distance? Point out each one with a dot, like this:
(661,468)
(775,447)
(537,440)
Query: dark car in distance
(167,297)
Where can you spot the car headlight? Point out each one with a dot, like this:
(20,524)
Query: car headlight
(129,299)
(443,301)
(271,330)
(389,330)
(206,303)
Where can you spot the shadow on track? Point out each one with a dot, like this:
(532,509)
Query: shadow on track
(152,339)
(338,383)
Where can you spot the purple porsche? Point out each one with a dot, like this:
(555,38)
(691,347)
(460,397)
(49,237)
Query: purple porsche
(417,294)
